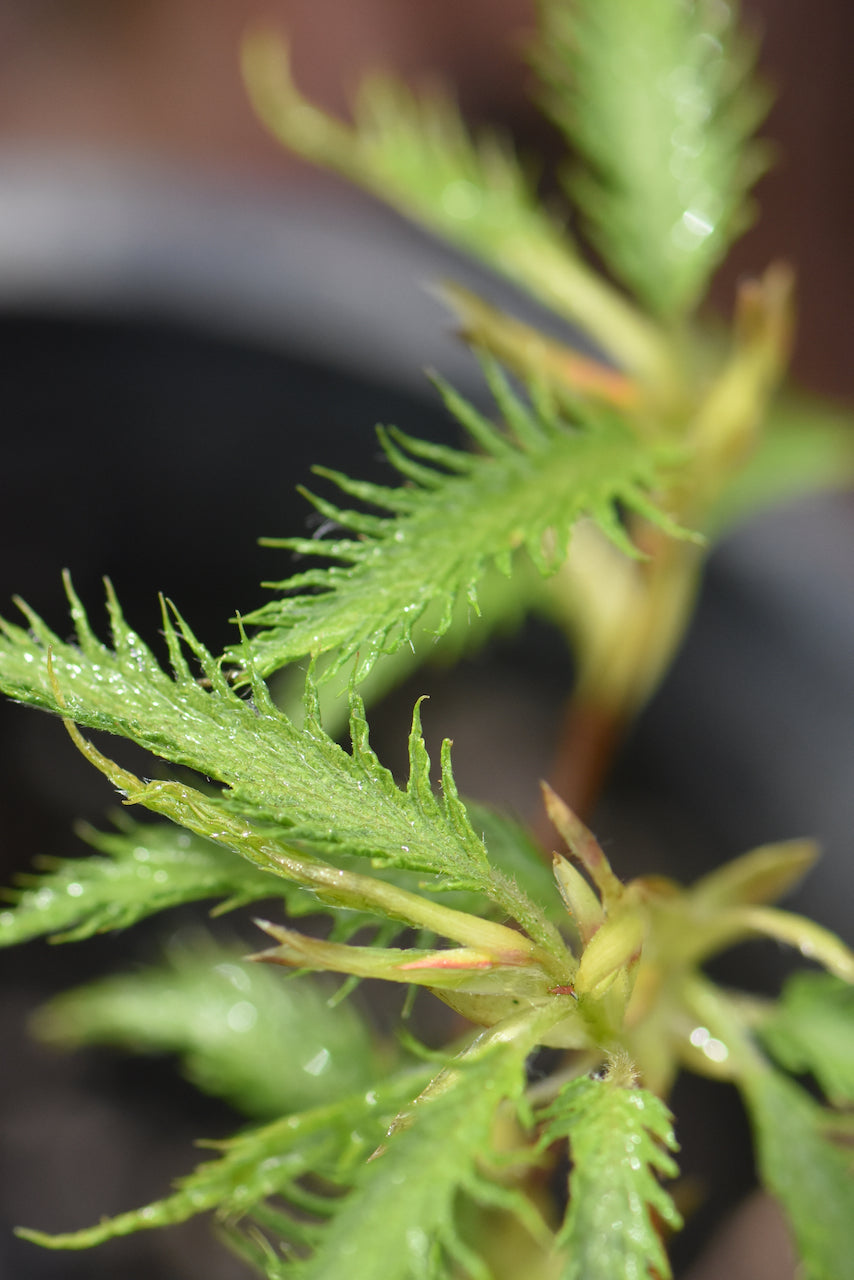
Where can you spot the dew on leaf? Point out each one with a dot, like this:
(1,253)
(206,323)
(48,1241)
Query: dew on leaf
(242,1017)
(318,1063)
(238,977)
(417,1241)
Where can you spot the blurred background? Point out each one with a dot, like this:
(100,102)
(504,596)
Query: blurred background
(188,319)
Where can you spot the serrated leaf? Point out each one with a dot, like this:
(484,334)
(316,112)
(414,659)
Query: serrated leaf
(504,604)
(810,1177)
(271,1161)
(144,869)
(657,100)
(417,154)
(456,516)
(412,1188)
(620,1138)
(289,794)
(267,1046)
(437,1149)
(812,1030)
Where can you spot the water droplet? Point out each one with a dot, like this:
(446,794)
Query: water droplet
(74,890)
(318,1063)
(7,918)
(417,1241)
(238,977)
(242,1017)
(43,898)
(716,1050)
(691,229)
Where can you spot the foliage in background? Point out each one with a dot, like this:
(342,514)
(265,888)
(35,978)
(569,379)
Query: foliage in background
(594,496)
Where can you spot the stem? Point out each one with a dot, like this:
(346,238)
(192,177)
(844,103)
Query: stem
(621,660)
(589,736)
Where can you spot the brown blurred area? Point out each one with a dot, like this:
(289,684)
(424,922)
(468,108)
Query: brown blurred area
(807,199)
(160,78)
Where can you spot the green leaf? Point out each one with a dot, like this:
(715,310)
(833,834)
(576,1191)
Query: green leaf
(441,1151)
(504,604)
(145,869)
(267,1045)
(437,1149)
(619,1138)
(456,515)
(326,1142)
(812,1030)
(806,445)
(296,778)
(809,1176)
(290,795)
(512,850)
(418,155)
(656,99)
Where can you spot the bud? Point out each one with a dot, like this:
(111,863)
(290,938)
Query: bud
(584,847)
(578,897)
(614,946)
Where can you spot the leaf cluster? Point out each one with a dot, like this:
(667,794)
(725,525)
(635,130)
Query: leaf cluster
(588,501)
(457,513)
